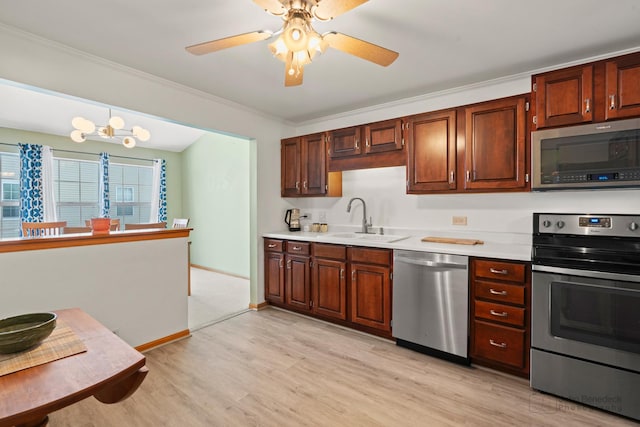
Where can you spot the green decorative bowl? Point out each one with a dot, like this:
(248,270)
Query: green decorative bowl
(22,332)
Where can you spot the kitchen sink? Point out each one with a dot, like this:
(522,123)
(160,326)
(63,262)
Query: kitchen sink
(385,238)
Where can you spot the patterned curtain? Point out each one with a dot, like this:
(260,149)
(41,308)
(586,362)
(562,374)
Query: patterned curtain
(104,185)
(31,201)
(159,195)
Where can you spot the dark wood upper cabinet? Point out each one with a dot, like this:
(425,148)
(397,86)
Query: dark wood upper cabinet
(564,97)
(495,151)
(622,87)
(345,142)
(304,168)
(383,136)
(431,141)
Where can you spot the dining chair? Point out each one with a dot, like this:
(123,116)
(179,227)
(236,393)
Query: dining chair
(42,229)
(70,230)
(180,223)
(114,226)
(145,226)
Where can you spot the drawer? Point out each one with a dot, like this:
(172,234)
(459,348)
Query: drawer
(500,270)
(323,250)
(370,256)
(500,292)
(499,313)
(273,245)
(301,248)
(499,343)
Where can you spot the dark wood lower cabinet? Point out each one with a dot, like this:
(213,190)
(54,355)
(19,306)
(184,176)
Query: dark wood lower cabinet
(350,286)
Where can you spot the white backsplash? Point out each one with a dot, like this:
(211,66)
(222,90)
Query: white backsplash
(383,189)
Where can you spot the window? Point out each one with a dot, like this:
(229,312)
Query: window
(77,190)
(9,195)
(130,190)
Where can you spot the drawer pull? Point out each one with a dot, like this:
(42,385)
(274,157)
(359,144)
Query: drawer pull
(498,344)
(297,248)
(494,292)
(498,313)
(342,273)
(288,264)
(272,245)
(494,271)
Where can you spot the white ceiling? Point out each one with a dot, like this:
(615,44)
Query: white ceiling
(442,44)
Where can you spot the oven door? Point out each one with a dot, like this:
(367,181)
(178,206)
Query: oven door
(592,318)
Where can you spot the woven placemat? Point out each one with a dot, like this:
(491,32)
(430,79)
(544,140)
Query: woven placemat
(62,342)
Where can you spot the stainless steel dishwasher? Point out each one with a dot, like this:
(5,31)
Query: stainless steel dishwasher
(431,303)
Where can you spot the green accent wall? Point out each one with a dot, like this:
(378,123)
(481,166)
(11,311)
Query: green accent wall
(216,198)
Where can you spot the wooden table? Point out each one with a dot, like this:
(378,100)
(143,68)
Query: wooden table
(110,370)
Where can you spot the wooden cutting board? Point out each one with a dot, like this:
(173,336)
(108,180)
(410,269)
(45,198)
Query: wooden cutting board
(452,240)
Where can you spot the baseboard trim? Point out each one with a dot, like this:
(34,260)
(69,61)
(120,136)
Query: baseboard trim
(201,267)
(162,341)
(259,307)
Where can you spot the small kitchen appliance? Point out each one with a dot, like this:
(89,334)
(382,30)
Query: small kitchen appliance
(585,338)
(292,219)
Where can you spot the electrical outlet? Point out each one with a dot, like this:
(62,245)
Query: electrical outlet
(459,220)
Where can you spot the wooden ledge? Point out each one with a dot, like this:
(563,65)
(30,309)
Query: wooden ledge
(88,239)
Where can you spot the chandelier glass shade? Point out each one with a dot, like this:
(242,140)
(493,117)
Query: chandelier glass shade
(114,129)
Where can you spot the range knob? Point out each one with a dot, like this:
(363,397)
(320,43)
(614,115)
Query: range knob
(633,226)
(546,223)
(560,224)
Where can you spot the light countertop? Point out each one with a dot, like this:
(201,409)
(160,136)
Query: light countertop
(509,246)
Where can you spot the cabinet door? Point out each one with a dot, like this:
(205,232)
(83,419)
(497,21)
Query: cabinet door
(371,296)
(345,142)
(290,167)
(495,156)
(383,136)
(274,277)
(314,164)
(622,78)
(329,288)
(564,97)
(298,282)
(431,141)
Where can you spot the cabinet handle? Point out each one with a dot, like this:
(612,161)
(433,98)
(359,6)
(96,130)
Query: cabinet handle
(499,314)
(587,107)
(451,177)
(367,141)
(494,292)
(353,275)
(498,344)
(281,264)
(272,245)
(288,264)
(494,271)
(357,144)
(468,175)
(612,102)
(297,185)
(297,248)
(304,184)
(342,273)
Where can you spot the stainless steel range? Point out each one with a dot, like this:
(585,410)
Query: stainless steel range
(585,335)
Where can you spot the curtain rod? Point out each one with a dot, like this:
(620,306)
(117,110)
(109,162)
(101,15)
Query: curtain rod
(83,152)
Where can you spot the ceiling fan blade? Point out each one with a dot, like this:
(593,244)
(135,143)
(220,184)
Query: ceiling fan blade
(295,78)
(227,42)
(360,48)
(329,9)
(273,7)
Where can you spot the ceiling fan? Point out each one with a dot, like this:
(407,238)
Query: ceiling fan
(297,42)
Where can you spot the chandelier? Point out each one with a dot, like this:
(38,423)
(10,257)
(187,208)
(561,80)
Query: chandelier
(114,129)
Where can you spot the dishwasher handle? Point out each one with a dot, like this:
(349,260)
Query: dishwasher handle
(431,264)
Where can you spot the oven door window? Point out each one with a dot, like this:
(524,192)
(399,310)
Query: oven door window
(600,315)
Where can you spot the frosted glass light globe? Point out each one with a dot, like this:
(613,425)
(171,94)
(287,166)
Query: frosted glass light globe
(129,142)
(116,122)
(78,136)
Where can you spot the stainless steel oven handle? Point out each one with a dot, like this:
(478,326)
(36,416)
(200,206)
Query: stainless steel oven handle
(586,273)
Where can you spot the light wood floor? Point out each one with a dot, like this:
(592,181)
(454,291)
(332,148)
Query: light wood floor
(274,368)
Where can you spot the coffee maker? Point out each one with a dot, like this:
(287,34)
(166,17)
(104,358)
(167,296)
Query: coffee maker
(292,219)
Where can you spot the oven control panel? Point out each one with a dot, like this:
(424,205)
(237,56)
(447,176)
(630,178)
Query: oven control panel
(587,224)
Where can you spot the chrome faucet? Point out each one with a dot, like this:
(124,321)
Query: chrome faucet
(365,224)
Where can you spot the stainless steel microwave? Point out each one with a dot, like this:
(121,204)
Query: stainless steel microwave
(597,155)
